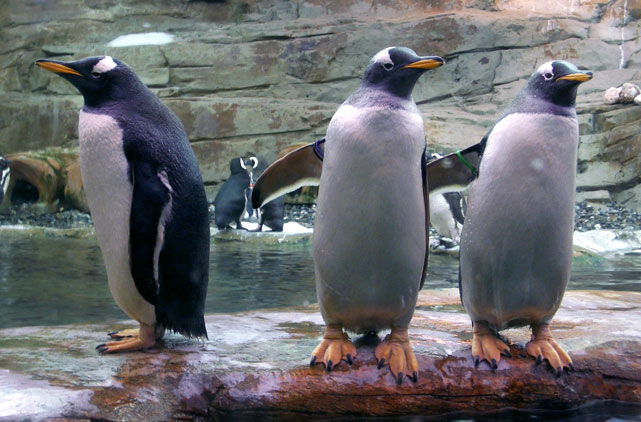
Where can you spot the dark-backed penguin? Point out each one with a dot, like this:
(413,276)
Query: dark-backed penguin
(5,175)
(370,260)
(516,244)
(271,214)
(447,212)
(146,198)
(231,199)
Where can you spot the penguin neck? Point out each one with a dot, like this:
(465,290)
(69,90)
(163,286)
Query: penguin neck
(372,96)
(528,102)
(131,90)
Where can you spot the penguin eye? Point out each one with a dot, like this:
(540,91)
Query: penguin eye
(388,66)
(548,76)
(96,74)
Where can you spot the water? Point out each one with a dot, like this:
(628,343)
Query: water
(57,281)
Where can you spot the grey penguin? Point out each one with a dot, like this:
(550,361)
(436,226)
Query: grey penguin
(447,212)
(231,199)
(370,261)
(272,213)
(5,176)
(516,244)
(147,201)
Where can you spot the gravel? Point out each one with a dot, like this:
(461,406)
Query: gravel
(587,217)
(605,216)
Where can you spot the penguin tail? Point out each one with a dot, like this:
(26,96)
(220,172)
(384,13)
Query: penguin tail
(193,326)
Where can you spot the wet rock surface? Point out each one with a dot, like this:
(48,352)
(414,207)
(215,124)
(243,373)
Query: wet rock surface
(254,366)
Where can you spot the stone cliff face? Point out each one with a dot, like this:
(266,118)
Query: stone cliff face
(259,75)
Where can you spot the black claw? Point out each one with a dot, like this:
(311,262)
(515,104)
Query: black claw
(399,378)
(112,333)
(559,372)
(494,365)
(415,376)
(507,353)
(313,361)
(330,365)
(571,367)
(381,363)
(477,360)
(348,358)
(100,345)
(102,350)
(539,359)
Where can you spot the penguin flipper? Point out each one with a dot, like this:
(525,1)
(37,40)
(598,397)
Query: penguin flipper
(452,173)
(150,209)
(301,167)
(426,199)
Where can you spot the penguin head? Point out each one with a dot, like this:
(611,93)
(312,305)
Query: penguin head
(238,166)
(396,70)
(251,162)
(99,79)
(557,82)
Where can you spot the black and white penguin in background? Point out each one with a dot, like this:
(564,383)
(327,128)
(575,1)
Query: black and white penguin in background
(271,214)
(5,175)
(447,211)
(147,201)
(231,199)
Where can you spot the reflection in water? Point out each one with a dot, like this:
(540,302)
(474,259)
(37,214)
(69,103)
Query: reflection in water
(55,281)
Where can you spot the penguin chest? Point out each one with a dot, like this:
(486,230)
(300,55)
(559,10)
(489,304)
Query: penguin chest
(369,242)
(109,192)
(516,246)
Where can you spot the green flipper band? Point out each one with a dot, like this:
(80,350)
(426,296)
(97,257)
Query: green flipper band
(465,162)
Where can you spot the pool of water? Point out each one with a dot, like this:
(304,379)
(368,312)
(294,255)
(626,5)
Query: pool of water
(54,281)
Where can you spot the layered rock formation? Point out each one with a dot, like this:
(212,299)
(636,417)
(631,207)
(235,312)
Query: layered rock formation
(256,76)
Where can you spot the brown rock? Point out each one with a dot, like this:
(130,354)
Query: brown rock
(54,173)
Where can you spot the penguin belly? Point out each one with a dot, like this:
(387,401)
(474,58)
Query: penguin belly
(104,170)
(516,244)
(369,233)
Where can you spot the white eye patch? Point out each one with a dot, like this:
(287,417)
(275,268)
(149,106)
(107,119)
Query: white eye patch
(383,57)
(546,70)
(104,65)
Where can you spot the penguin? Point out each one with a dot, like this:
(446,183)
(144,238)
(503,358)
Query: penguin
(516,244)
(447,212)
(271,214)
(5,176)
(147,201)
(370,262)
(231,199)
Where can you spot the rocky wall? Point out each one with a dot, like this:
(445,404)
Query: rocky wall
(258,75)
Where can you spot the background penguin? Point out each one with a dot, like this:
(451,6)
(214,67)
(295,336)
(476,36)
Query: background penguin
(5,175)
(272,213)
(370,261)
(516,245)
(447,211)
(146,198)
(231,199)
